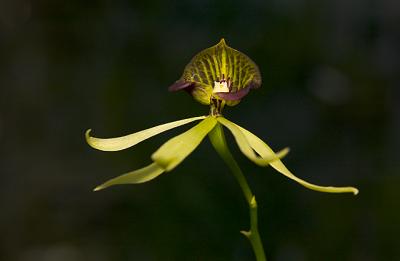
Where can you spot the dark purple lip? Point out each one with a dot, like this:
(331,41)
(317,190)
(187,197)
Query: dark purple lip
(233,96)
(180,85)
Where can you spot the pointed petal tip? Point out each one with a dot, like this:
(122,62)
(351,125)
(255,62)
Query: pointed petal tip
(339,190)
(222,41)
(98,188)
(328,189)
(282,153)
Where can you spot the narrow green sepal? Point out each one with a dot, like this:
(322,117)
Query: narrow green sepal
(124,142)
(265,151)
(245,147)
(174,151)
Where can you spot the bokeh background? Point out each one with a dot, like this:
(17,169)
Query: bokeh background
(330,92)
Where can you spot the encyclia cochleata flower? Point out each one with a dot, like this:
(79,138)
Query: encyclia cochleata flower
(217,76)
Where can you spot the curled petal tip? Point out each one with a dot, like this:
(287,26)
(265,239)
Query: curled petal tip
(355,191)
(87,133)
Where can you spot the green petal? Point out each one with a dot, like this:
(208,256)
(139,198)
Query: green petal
(124,142)
(245,147)
(265,151)
(174,151)
(134,177)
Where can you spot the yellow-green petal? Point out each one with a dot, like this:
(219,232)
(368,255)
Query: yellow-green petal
(124,142)
(265,151)
(134,177)
(174,151)
(245,147)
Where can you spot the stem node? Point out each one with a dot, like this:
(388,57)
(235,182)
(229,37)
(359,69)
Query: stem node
(246,233)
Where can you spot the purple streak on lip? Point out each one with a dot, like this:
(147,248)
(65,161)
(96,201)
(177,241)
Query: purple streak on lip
(234,96)
(180,85)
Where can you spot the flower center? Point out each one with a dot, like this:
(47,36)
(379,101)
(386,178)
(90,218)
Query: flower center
(216,106)
(220,86)
(223,85)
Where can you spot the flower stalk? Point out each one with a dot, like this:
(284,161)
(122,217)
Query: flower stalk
(218,140)
(217,76)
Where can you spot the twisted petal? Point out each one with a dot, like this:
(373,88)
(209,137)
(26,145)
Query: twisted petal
(124,142)
(174,151)
(246,148)
(134,177)
(265,151)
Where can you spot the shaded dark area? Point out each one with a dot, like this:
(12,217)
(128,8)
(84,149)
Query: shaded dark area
(330,92)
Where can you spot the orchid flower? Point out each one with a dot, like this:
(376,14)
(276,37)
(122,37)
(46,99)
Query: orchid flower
(217,76)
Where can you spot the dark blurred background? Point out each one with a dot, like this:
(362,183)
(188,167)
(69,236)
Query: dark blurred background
(330,92)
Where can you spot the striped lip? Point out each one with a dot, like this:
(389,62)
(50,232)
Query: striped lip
(232,72)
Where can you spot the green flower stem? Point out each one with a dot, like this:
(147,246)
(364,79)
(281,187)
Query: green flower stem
(218,140)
